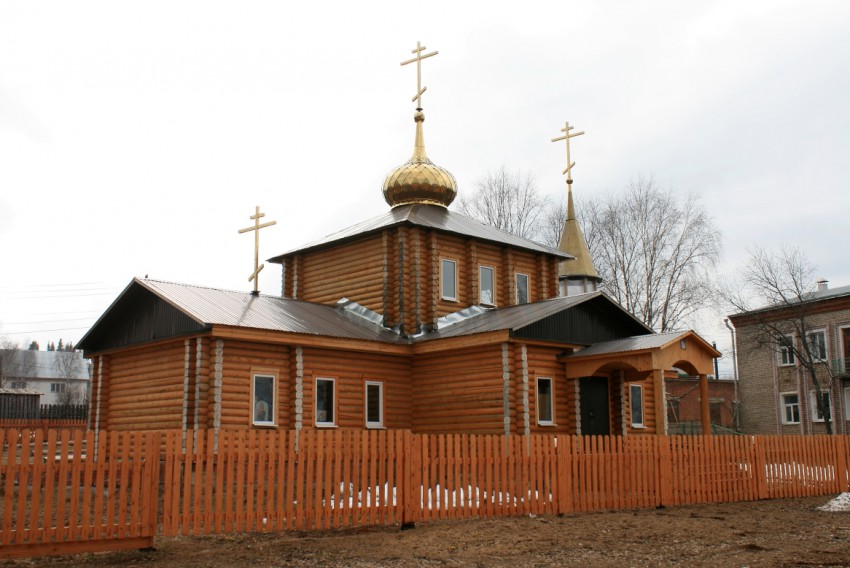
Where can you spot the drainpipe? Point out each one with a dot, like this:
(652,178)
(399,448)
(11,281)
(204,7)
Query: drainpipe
(735,371)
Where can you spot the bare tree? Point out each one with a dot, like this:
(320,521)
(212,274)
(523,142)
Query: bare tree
(8,361)
(68,366)
(506,200)
(776,288)
(656,254)
(552,227)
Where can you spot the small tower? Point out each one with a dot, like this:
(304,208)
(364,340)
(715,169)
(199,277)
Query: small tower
(419,180)
(575,276)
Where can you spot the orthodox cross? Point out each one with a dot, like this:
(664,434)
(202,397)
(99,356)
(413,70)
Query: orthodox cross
(566,130)
(256,228)
(418,59)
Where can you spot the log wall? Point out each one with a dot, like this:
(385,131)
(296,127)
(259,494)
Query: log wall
(543,362)
(459,391)
(239,359)
(143,388)
(351,371)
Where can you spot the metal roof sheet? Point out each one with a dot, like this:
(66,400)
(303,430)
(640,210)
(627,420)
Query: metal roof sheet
(213,306)
(510,317)
(431,217)
(635,343)
(30,392)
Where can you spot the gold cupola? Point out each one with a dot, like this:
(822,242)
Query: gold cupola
(419,180)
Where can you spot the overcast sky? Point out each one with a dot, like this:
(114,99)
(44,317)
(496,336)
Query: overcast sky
(137,137)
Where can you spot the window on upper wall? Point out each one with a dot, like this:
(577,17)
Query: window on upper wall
(817,344)
(374,404)
(790,408)
(521,288)
(817,415)
(325,402)
(19,384)
(487,286)
(57,387)
(636,405)
(846,403)
(448,279)
(263,396)
(786,351)
(545,402)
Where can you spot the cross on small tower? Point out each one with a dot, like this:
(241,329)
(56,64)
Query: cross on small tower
(418,59)
(566,130)
(256,228)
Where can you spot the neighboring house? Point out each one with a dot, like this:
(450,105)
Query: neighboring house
(418,319)
(62,377)
(777,394)
(683,405)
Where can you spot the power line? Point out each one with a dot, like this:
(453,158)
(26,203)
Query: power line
(43,331)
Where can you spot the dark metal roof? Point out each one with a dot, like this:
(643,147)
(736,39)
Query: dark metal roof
(430,217)
(582,319)
(212,306)
(636,343)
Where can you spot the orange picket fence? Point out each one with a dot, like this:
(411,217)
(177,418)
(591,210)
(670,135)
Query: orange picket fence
(75,491)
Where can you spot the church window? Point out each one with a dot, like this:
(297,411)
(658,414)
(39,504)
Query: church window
(448,279)
(263,396)
(325,402)
(521,288)
(487,284)
(636,405)
(544,402)
(374,404)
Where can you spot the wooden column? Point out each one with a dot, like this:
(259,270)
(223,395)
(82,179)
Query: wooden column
(660,403)
(705,415)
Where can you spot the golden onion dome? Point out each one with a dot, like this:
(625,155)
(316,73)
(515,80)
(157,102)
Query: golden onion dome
(419,180)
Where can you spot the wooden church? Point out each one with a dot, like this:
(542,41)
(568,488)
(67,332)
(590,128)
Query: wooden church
(419,319)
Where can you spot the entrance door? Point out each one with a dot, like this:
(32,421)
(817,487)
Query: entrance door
(593,399)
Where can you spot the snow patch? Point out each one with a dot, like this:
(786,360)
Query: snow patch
(840,503)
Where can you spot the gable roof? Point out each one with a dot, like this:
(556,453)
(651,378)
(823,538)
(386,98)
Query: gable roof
(150,309)
(582,319)
(809,299)
(638,343)
(430,217)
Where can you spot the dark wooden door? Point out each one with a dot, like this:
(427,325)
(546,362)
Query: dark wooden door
(593,399)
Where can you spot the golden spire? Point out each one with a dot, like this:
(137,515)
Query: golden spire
(572,240)
(256,228)
(419,180)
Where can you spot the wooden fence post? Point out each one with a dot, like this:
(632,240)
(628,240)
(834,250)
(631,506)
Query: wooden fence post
(663,475)
(760,472)
(841,481)
(409,483)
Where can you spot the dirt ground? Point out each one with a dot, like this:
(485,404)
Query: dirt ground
(786,532)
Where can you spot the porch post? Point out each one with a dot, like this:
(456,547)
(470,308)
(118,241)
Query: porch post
(660,402)
(705,416)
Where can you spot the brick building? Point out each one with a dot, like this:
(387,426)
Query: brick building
(776,392)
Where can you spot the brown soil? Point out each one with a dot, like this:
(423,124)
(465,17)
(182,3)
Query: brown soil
(786,532)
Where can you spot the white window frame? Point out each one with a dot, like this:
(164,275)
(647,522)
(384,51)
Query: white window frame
(813,404)
(481,269)
(516,283)
(380,421)
(551,421)
(821,332)
(636,387)
(324,423)
(19,384)
(57,387)
(255,404)
(786,405)
(785,354)
(443,295)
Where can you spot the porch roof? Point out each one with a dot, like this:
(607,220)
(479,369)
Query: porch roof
(639,356)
